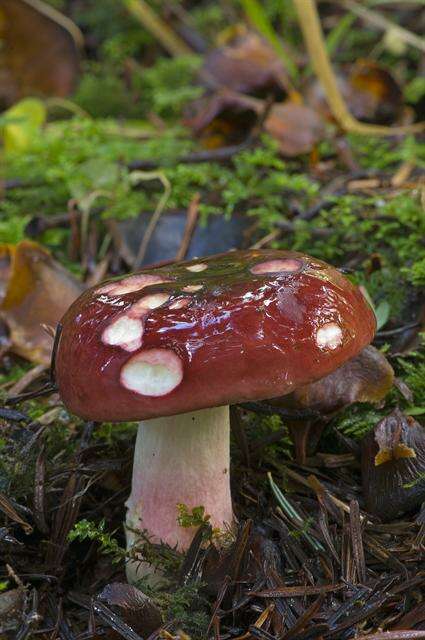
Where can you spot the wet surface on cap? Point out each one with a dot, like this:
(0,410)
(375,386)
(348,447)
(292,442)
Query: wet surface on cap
(240,326)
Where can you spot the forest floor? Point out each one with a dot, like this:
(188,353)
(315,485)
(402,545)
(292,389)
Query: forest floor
(142,134)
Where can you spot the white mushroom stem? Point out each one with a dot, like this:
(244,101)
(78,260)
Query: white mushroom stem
(179,459)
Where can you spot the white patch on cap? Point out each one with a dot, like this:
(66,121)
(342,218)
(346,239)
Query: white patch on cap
(180,303)
(286,265)
(132,283)
(146,304)
(201,266)
(191,288)
(153,372)
(154,301)
(329,336)
(125,332)
(107,288)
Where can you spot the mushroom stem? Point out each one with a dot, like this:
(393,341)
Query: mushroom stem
(179,459)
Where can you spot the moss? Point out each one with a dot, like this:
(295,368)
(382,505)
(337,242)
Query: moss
(357,420)
(416,273)
(75,158)
(117,99)
(412,369)
(187,607)
(164,88)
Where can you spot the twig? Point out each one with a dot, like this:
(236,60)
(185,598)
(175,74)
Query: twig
(44,391)
(290,511)
(12,574)
(14,416)
(273,235)
(191,220)
(258,17)
(7,508)
(412,634)
(393,332)
(402,174)
(139,176)
(27,379)
(357,541)
(309,20)
(54,351)
(124,251)
(222,154)
(60,19)
(386,25)
(157,27)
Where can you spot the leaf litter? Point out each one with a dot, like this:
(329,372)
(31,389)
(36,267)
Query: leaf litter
(313,556)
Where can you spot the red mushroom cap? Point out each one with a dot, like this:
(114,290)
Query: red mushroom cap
(245,325)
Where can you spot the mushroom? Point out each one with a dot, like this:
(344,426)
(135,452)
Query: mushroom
(174,346)
(368,377)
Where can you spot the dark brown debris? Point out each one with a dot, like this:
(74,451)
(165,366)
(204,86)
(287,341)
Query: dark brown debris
(393,466)
(314,564)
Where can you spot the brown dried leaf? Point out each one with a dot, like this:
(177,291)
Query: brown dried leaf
(366,378)
(227,118)
(393,466)
(40,53)
(249,65)
(222,118)
(370,91)
(36,291)
(136,609)
(295,127)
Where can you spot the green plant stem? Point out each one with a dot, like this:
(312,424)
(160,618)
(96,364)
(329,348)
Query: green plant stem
(259,19)
(157,27)
(313,37)
(290,511)
(383,23)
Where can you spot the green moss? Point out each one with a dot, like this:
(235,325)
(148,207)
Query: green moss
(412,369)
(414,91)
(381,153)
(117,101)
(16,371)
(167,86)
(163,89)
(357,420)
(187,607)
(76,158)
(260,427)
(416,273)
(108,20)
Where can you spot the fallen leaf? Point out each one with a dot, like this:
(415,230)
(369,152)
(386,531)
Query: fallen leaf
(295,127)
(136,609)
(370,91)
(20,123)
(376,95)
(222,118)
(249,65)
(36,291)
(40,52)
(366,378)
